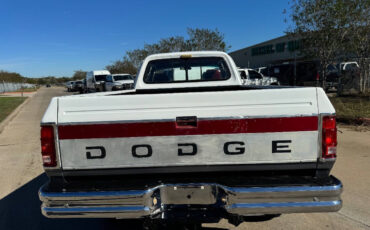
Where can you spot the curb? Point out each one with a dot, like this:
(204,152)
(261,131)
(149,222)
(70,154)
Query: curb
(11,116)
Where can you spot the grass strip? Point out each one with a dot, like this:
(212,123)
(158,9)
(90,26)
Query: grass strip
(8,104)
(352,110)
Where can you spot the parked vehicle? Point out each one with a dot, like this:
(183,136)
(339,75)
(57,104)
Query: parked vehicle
(69,86)
(190,143)
(308,74)
(301,74)
(78,86)
(340,74)
(266,79)
(119,82)
(84,85)
(250,77)
(95,80)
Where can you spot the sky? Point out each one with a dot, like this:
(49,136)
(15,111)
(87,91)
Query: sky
(57,37)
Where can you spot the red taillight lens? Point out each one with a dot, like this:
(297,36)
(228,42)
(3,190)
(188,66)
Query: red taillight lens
(48,146)
(329,137)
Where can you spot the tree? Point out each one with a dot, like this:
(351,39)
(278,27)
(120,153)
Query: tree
(358,19)
(199,39)
(79,75)
(122,66)
(11,77)
(331,28)
(165,45)
(18,78)
(317,23)
(206,39)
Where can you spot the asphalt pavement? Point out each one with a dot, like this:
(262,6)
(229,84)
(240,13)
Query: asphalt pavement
(22,175)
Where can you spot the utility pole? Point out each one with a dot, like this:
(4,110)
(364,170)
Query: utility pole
(22,87)
(295,68)
(4,86)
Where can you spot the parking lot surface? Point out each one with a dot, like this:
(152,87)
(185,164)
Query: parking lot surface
(22,175)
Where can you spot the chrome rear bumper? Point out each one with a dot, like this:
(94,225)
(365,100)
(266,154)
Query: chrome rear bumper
(154,202)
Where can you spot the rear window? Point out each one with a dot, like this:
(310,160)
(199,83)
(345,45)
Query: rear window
(186,70)
(100,77)
(242,74)
(264,71)
(254,74)
(123,77)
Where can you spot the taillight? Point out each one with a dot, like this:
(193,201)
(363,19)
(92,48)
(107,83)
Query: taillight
(329,137)
(48,146)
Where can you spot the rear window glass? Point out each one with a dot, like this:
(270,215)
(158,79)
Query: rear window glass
(264,71)
(100,77)
(254,75)
(242,74)
(186,70)
(123,77)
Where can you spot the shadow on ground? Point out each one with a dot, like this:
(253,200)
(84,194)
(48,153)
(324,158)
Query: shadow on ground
(21,210)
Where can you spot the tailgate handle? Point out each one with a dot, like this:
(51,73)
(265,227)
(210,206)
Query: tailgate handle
(186,122)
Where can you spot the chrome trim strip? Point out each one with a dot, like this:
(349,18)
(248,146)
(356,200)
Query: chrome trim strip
(91,194)
(286,204)
(285,207)
(286,189)
(96,209)
(50,196)
(238,209)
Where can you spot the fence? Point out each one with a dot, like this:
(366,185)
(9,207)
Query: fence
(10,87)
(349,83)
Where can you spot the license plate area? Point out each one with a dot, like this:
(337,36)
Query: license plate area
(204,194)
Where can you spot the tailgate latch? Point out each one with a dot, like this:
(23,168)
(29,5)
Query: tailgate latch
(186,122)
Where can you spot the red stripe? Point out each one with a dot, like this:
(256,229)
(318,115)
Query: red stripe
(259,125)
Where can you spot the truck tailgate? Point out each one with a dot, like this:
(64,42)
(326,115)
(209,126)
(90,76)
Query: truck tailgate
(183,129)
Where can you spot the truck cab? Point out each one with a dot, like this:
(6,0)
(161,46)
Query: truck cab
(266,79)
(79,86)
(251,77)
(69,86)
(119,82)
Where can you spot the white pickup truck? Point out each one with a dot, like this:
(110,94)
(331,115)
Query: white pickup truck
(190,143)
(119,82)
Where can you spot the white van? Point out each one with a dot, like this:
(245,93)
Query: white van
(95,80)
